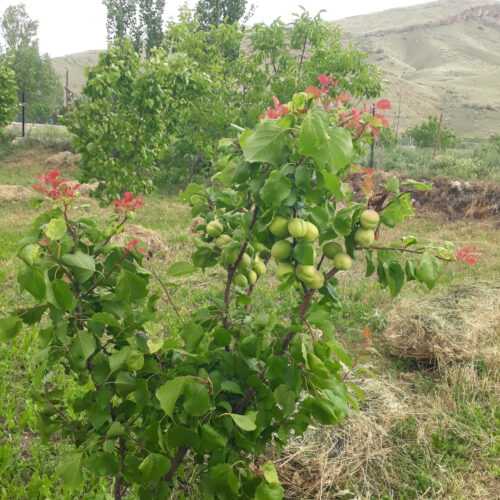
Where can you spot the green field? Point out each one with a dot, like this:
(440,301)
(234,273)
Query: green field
(423,432)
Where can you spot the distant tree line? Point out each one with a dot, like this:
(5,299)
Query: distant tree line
(34,74)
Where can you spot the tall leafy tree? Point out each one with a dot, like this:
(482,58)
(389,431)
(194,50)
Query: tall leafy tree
(34,74)
(17,29)
(213,13)
(8,95)
(141,21)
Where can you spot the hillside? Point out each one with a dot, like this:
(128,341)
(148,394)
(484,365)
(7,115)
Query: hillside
(441,56)
(437,57)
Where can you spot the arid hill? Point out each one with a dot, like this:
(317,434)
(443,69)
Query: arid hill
(436,57)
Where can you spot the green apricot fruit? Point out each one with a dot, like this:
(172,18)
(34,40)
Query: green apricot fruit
(241,280)
(222,240)
(259,267)
(281,250)
(331,249)
(284,270)
(312,232)
(318,280)
(305,273)
(369,219)
(230,256)
(297,227)
(252,277)
(364,237)
(214,228)
(342,262)
(279,226)
(245,261)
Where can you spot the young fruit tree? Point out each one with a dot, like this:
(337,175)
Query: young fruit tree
(157,413)
(8,92)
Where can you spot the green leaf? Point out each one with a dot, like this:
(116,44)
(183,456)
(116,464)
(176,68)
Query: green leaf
(245,422)
(70,470)
(417,185)
(105,319)
(231,386)
(342,223)
(63,294)
(130,287)
(125,383)
(267,491)
(181,268)
(211,439)
(9,327)
(115,430)
(154,466)
(80,264)
(169,393)
(29,254)
(395,276)
(32,280)
(196,399)
(428,270)
(276,188)
(225,479)
(329,145)
(304,253)
(270,474)
(83,345)
(56,229)
(268,144)
(399,208)
(118,359)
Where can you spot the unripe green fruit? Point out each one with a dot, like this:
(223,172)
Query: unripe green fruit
(369,219)
(279,226)
(284,270)
(342,262)
(364,237)
(258,246)
(318,280)
(241,280)
(222,240)
(305,273)
(312,232)
(214,228)
(297,227)
(281,250)
(252,277)
(259,267)
(331,249)
(230,256)
(245,261)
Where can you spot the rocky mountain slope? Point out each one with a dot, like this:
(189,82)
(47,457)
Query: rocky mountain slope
(436,57)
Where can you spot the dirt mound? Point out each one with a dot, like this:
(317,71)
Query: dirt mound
(9,193)
(451,198)
(461,324)
(62,161)
(151,239)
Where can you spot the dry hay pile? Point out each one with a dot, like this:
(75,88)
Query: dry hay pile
(10,193)
(63,160)
(151,240)
(461,324)
(327,460)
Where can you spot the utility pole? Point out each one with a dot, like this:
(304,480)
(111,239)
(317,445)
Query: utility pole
(373,142)
(438,133)
(66,89)
(23,107)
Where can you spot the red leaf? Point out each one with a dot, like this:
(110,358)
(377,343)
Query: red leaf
(314,91)
(384,104)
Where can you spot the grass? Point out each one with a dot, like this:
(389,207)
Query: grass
(437,440)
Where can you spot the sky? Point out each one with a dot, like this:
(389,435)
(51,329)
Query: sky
(70,26)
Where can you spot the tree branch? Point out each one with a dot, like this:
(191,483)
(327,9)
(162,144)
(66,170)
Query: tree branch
(407,250)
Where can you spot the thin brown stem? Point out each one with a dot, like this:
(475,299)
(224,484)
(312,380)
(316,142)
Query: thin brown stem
(176,462)
(168,294)
(406,250)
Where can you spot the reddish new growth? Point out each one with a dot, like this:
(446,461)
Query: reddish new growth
(468,255)
(55,188)
(278,111)
(128,203)
(328,82)
(132,245)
